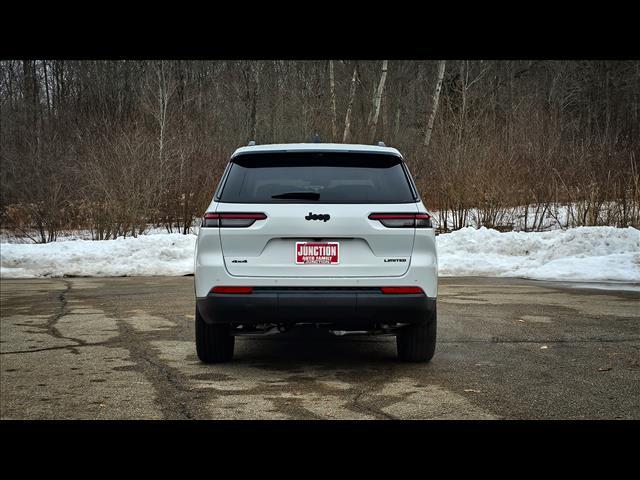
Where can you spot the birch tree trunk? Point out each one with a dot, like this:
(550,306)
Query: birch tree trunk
(332,84)
(163,101)
(377,99)
(464,75)
(253,123)
(352,94)
(46,87)
(434,102)
(165,91)
(396,127)
(384,107)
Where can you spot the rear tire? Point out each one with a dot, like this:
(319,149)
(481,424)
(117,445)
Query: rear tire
(417,343)
(214,342)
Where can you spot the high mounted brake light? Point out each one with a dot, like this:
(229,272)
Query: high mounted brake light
(403,220)
(236,220)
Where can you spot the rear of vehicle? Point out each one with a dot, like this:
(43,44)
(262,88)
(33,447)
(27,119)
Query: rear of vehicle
(330,235)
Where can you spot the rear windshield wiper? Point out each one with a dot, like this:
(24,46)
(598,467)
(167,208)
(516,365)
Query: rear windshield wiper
(298,196)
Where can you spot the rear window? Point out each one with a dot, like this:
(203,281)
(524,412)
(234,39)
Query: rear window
(317,178)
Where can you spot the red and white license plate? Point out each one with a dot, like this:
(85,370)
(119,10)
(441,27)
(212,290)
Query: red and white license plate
(317,253)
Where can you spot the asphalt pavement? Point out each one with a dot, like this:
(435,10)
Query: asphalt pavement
(123,348)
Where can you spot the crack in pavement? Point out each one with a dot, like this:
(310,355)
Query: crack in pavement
(62,347)
(62,311)
(368,389)
(172,396)
(174,382)
(292,407)
(50,327)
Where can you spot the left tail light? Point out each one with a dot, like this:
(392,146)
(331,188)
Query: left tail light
(403,220)
(233,220)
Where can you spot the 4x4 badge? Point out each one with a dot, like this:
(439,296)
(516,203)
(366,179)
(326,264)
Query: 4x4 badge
(322,216)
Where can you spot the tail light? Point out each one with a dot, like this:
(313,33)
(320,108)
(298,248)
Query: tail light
(235,220)
(401,290)
(232,290)
(403,220)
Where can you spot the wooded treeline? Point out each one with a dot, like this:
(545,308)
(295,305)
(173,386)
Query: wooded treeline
(113,146)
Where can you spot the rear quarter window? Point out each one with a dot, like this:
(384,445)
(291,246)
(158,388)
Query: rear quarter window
(327,177)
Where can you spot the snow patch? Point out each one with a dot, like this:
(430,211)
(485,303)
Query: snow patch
(584,254)
(160,254)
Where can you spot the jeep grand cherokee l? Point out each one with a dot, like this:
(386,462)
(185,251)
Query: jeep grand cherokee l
(331,235)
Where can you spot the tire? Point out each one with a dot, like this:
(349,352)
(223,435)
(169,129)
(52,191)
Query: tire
(417,343)
(214,342)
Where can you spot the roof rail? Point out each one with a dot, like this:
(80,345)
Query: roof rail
(251,143)
(381,144)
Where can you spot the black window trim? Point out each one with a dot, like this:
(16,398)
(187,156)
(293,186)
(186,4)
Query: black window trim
(223,181)
(225,175)
(412,184)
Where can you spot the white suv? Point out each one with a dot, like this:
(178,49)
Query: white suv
(332,235)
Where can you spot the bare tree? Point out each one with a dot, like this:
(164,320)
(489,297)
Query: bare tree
(115,146)
(352,96)
(377,100)
(332,86)
(435,99)
(161,91)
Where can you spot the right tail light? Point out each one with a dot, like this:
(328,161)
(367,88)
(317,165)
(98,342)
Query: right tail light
(403,220)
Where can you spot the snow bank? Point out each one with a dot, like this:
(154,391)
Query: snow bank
(593,254)
(579,254)
(160,254)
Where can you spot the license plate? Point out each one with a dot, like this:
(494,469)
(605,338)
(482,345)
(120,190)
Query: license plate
(317,253)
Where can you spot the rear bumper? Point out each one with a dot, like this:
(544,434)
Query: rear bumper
(347,307)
